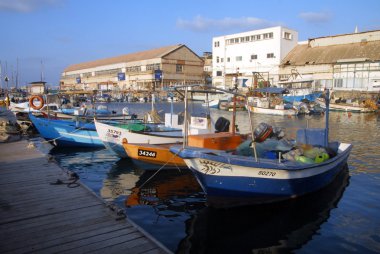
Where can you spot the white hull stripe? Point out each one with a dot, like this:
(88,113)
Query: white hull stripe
(210,167)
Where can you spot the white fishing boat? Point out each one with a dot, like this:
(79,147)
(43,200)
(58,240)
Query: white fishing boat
(212,103)
(170,132)
(271,103)
(354,107)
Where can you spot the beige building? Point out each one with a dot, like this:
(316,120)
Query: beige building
(207,59)
(344,63)
(38,87)
(154,69)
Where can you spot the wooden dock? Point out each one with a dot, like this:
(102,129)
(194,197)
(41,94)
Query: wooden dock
(37,216)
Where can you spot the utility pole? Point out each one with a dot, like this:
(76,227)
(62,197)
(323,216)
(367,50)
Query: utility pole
(1,78)
(17,74)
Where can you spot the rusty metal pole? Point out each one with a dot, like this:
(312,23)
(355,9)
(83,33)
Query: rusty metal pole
(234,104)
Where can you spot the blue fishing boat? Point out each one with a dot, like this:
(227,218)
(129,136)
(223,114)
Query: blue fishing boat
(67,132)
(300,90)
(266,168)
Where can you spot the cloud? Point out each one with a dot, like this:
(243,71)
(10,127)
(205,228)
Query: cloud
(201,24)
(26,5)
(316,17)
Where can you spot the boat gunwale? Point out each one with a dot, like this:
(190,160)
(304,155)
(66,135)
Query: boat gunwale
(249,161)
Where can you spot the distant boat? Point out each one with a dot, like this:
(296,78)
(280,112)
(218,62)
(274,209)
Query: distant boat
(272,104)
(212,103)
(300,90)
(349,107)
(67,132)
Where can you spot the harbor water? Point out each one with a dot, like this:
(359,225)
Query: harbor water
(170,205)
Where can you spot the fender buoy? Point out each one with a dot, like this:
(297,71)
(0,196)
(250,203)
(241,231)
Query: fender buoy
(39,98)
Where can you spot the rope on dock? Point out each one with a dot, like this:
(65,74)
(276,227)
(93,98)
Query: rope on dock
(70,184)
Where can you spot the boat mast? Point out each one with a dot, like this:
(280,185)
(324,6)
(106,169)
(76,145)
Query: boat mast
(252,131)
(327,102)
(185,134)
(234,104)
(1,78)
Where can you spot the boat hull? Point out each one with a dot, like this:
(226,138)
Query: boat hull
(272,111)
(158,154)
(344,107)
(235,180)
(112,136)
(66,133)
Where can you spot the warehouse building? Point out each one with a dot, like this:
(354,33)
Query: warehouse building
(348,62)
(155,69)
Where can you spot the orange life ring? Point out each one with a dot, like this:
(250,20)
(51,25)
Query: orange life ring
(39,98)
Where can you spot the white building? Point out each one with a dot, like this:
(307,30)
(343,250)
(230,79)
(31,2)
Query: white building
(251,56)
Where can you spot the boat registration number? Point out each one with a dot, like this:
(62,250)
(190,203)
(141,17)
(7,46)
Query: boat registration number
(266,173)
(146,153)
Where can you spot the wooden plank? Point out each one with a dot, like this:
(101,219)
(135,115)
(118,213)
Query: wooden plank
(55,219)
(138,245)
(63,228)
(36,216)
(43,242)
(86,243)
(47,211)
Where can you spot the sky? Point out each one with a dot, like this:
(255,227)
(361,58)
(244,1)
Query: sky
(40,38)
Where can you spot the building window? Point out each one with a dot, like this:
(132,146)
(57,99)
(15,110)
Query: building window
(179,68)
(113,71)
(247,38)
(288,36)
(133,69)
(222,60)
(270,55)
(150,67)
(253,57)
(239,58)
(217,59)
(216,44)
(268,36)
(219,73)
(338,82)
(228,59)
(236,40)
(256,37)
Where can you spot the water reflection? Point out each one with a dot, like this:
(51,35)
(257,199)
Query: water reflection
(278,228)
(157,188)
(170,206)
(120,179)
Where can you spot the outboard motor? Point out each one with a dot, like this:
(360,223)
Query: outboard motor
(222,125)
(262,132)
